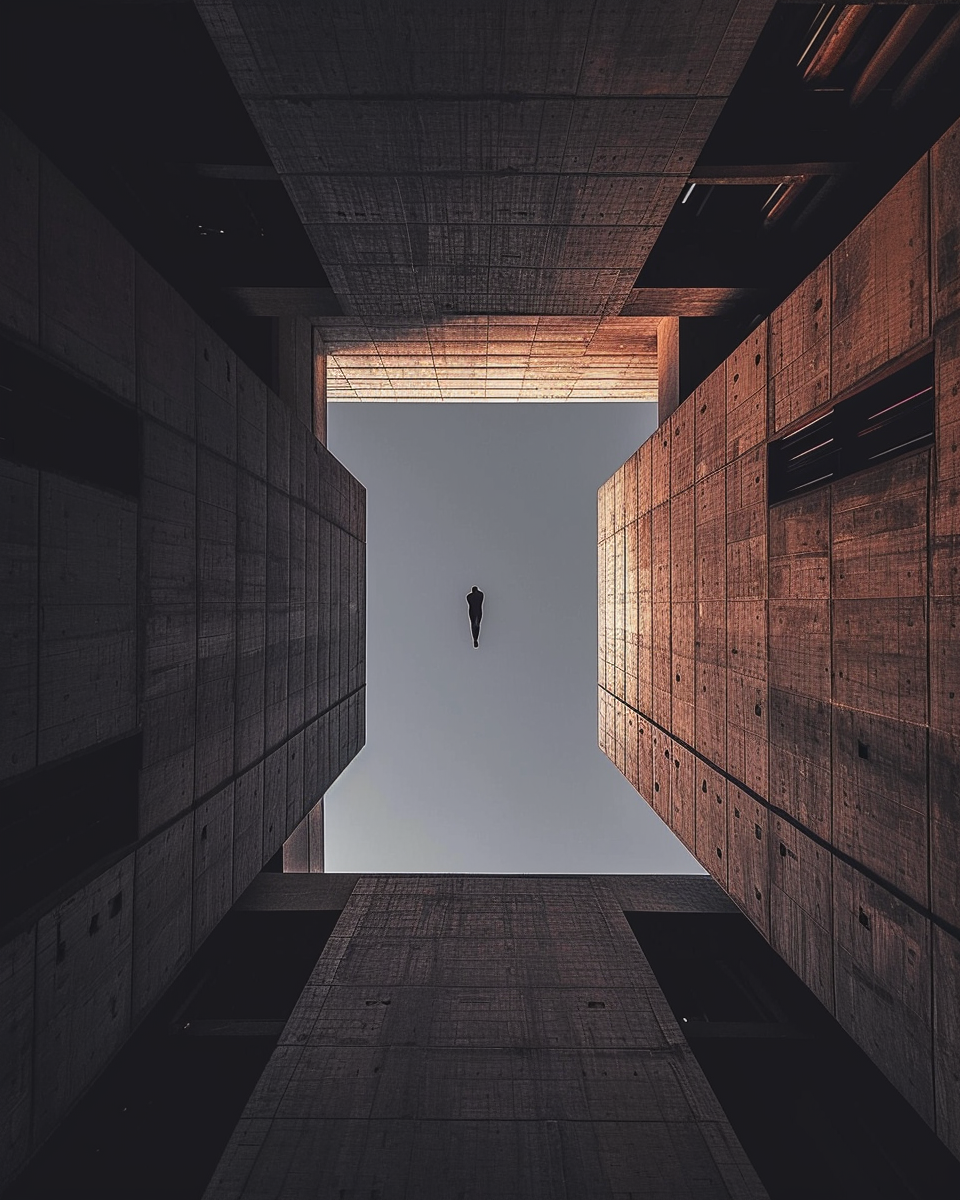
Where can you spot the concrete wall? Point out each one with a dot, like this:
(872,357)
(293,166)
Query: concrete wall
(221,613)
(779,683)
(485,1036)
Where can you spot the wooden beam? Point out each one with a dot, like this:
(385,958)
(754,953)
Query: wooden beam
(762,173)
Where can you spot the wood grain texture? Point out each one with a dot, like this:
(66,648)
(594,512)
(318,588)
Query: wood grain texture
(945,207)
(748,870)
(630,489)
(660,465)
(662,653)
(710,833)
(711,538)
(947,399)
(661,799)
(883,982)
(880,811)
(881,284)
(825,652)
(710,424)
(683,796)
(801,778)
(682,556)
(800,351)
(683,667)
(747,637)
(800,547)
(747,740)
(946,1037)
(711,712)
(630,616)
(681,427)
(645,477)
(944,824)
(880,657)
(800,647)
(878,542)
(644,613)
(711,632)
(644,759)
(746,387)
(801,907)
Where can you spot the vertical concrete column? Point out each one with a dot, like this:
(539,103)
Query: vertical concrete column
(495,1036)
(668,367)
(303,849)
(319,388)
(295,367)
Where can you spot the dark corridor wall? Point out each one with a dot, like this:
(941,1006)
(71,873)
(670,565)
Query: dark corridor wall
(207,612)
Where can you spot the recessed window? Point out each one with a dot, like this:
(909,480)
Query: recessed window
(894,417)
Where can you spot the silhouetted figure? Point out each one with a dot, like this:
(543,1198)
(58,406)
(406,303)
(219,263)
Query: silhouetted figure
(475,608)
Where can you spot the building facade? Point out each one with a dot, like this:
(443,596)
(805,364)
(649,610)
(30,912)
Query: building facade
(778,651)
(478,202)
(183,573)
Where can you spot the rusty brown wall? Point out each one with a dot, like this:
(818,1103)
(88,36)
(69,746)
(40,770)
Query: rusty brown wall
(796,719)
(221,614)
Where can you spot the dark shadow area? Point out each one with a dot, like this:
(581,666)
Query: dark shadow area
(59,821)
(155,1124)
(812,1112)
(133,104)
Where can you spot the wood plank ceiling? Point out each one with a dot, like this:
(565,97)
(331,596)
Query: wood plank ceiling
(453,162)
(492,358)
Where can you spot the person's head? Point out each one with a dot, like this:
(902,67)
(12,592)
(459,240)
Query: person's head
(474,588)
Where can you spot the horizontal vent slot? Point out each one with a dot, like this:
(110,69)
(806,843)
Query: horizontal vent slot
(894,417)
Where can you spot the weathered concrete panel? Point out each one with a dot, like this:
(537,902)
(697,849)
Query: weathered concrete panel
(800,351)
(881,283)
(883,982)
(880,797)
(163,908)
(504,1035)
(87,276)
(212,862)
(19,567)
(946,1036)
(83,991)
(166,352)
(17,973)
(19,240)
(87,673)
(801,907)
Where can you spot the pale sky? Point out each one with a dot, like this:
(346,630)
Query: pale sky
(486,760)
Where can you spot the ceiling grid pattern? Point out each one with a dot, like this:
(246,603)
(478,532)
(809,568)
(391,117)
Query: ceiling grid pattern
(461,160)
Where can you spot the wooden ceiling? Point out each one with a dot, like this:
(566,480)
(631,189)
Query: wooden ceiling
(511,158)
(492,359)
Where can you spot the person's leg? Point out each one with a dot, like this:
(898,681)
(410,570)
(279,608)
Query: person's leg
(475,630)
